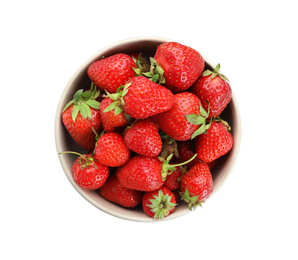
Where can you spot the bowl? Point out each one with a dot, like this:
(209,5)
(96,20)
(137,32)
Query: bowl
(64,142)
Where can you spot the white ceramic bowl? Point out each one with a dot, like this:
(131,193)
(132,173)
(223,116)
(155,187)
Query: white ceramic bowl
(65,143)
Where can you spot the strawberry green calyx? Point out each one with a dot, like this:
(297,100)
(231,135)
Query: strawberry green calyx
(192,201)
(215,73)
(82,101)
(156,73)
(161,205)
(143,64)
(118,103)
(200,120)
(168,168)
(85,162)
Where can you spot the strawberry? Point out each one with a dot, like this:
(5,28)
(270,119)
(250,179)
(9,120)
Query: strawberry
(112,72)
(111,150)
(141,173)
(110,117)
(186,150)
(172,181)
(175,122)
(215,143)
(143,138)
(81,118)
(214,88)
(113,191)
(196,185)
(87,172)
(159,204)
(181,65)
(145,173)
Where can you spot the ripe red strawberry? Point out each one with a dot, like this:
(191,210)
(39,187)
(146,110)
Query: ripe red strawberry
(181,65)
(174,121)
(215,88)
(159,204)
(141,173)
(144,98)
(87,172)
(186,150)
(113,191)
(111,150)
(172,181)
(143,138)
(110,117)
(81,118)
(145,173)
(196,185)
(112,72)
(215,143)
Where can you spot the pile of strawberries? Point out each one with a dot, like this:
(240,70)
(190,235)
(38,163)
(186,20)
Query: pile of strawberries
(151,128)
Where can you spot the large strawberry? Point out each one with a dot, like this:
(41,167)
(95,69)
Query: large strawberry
(214,90)
(110,117)
(113,191)
(112,72)
(111,150)
(87,172)
(215,143)
(196,185)
(143,138)
(81,118)
(181,65)
(159,204)
(141,98)
(145,173)
(176,122)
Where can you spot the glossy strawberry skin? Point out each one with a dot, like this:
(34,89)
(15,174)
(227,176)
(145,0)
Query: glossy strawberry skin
(150,195)
(173,122)
(143,138)
(92,176)
(215,143)
(111,150)
(141,173)
(109,120)
(112,72)
(182,65)
(146,98)
(198,181)
(216,91)
(172,181)
(81,129)
(113,191)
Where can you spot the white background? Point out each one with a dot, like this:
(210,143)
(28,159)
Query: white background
(253,216)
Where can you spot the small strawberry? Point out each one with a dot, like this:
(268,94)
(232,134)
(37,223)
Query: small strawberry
(110,117)
(215,143)
(112,72)
(81,118)
(159,204)
(111,150)
(113,191)
(186,150)
(214,88)
(196,185)
(87,172)
(143,138)
(172,181)
(181,65)
(145,173)
(185,118)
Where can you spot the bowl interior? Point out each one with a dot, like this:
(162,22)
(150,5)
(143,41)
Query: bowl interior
(64,142)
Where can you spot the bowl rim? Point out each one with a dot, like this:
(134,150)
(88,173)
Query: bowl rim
(58,126)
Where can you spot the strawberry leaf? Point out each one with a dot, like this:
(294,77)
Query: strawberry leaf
(77,95)
(118,110)
(75,112)
(112,106)
(93,103)
(195,119)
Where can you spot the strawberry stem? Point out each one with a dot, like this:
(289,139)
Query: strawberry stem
(183,163)
(75,154)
